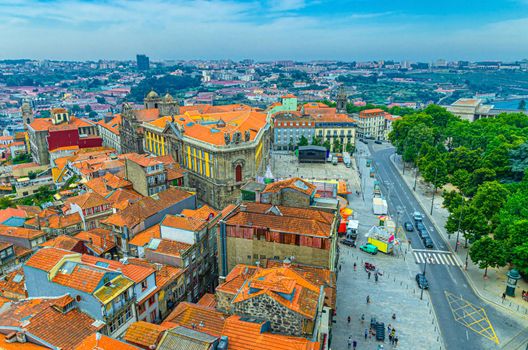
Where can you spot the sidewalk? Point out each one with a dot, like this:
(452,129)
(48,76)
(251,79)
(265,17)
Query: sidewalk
(489,289)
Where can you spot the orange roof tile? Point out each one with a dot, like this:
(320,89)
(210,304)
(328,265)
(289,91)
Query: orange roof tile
(20,232)
(98,240)
(105,343)
(146,115)
(8,213)
(63,242)
(205,319)
(46,258)
(183,223)
(165,274)
(236,278)
(41,124)
(295,183)
(13,286)
(144,334)
(36,316)
(4,345)
(205,212)
(88,200)
(244,335)
(282,280)
(208,300)
(135,272)
(143,238)
(64,221)
(143,160)
(170,247)
(81,277)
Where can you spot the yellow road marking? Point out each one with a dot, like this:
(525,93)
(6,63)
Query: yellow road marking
(464,312)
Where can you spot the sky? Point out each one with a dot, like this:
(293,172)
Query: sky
(348,30)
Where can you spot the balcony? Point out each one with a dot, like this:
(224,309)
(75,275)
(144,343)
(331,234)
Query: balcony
(118,309)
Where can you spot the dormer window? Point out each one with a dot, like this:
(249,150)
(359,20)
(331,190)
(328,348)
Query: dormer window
(144,286)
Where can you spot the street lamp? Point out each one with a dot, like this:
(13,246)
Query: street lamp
(459,222)
(425,266)
(415,177)
(432,199)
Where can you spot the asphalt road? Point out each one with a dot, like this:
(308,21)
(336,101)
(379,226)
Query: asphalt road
(442,278)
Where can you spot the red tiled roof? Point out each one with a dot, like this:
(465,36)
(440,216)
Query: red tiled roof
(63,242)
(295,183)
(46,258)
(20,232)
(208,300)
(64,221)
(245,335)
(236,278)
(183,223)
(98,240)
(134,272)
(88,200)
(105,343)
(12,286)
(144,334)
(205,319)
(81,277)
(143,238)
(172,248)
(11,212)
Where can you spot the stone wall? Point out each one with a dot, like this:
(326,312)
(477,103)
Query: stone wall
(282,320)
(223,301)
(293,198)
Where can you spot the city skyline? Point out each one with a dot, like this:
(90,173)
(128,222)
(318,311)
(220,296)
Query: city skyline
(264,30)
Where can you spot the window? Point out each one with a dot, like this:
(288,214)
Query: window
(152,300)
(144,286)
(141,308)
(9,251)
(3,254)
(153,316)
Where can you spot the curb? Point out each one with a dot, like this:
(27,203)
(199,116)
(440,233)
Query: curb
(465,273)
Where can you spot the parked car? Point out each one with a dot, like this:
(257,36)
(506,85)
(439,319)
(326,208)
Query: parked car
(364,141)
(423,233)
(378,142)
(348,242)
(420,226)
(408,226)
(369,248)
(428,242)
(418,217)
(422,281)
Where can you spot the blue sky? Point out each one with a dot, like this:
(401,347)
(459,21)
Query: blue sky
(265,30)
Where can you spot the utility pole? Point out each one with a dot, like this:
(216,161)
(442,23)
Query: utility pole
(432,199)
(459,223)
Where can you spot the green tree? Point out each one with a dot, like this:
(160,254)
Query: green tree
(87,108)
(519,259)
(489,199)
(316,141)
(487,252)
(461,179)
(327,145)
(338,147)
(6,202)
(303,141)
(76,109)
(519,160)
(92,114)
(350,148)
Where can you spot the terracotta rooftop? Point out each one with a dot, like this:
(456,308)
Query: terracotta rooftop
(134,272)
(36,316)
(236,278)
(170,247)
(63,242)
(144,334)
(301,221)
(246,334)
(20,232)
(205,212)
(81,277)
(13,286)
(295,183)
(105,184)
(208,300)
(97,240)
(46,258)
(138,211)
(165,274)
(4,345)
(183,223)
(64,221)
(105,343)
(88,200)
(143,238)
(279,282)
(8,213)
(204,319)
(143,160)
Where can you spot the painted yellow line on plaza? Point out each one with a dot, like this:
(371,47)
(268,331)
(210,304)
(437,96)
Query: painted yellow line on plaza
(472,317)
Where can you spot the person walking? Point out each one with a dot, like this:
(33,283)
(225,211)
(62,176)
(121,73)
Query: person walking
(396,341)
(339,267)
(349,341)
(354,345)
(503,297)
(362,318)
(368,299)
(389,328)
(369,275)
(366,333)
(390,338)
(355,266)
(348,319)
(376,277)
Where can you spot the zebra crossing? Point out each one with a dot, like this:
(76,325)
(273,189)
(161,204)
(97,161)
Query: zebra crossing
(434,257)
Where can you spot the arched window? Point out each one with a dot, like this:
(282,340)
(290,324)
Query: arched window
(238,173)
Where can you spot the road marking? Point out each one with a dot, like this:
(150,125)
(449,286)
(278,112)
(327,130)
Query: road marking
(434,257)
(472,317)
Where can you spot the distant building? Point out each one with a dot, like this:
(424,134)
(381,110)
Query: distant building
(372,123)
(471,109)
(143,62)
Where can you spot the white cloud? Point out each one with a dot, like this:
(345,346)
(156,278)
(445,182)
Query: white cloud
(286,5)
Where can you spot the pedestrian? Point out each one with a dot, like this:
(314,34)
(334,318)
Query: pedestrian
(394,316)
(349,341)
(348,319)
(376,277)
(393,332)
(369,275)
(390,338)
(396,341)
(366,333)
(362,318)
(389,328)
(503,296)
(354,345)
(355,266)
(368,299)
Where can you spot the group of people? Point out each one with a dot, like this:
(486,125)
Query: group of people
(393,338)
(391,331)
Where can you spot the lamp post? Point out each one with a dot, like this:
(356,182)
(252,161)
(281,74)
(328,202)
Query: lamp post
(425,266)
(432,199)
(415,177)
(459,223)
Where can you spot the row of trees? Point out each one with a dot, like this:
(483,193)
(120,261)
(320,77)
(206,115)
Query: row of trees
(486,162)
(337,145)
